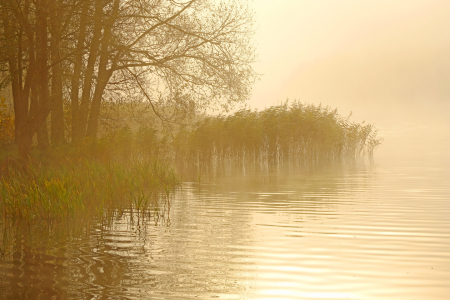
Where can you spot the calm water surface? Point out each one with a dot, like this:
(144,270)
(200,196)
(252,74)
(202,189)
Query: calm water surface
(364,231)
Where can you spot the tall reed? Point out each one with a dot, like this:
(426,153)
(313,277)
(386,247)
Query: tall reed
(301,133)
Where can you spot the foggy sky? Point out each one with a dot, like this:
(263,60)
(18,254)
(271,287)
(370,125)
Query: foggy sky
(381,59)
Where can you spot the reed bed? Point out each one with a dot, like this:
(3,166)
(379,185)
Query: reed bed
(296,133)
(129,170)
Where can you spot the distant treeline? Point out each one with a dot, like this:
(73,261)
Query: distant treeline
(298,132)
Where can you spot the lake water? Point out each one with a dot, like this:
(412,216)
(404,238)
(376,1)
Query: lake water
(376,230)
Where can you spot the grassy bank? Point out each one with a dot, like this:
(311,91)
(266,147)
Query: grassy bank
(52,192)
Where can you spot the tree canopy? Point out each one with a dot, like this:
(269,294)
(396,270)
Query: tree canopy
(71,56)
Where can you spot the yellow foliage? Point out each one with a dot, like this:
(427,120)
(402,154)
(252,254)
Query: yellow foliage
(6,124)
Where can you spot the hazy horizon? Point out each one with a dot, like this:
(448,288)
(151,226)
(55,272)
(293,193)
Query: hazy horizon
(383,60)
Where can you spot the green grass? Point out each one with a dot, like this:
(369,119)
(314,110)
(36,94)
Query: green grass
(34,191)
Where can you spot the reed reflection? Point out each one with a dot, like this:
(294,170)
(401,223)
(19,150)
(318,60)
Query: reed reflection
(76,258)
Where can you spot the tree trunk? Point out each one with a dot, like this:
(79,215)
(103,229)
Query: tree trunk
(103,74)
(20,94)
(94,115)
(8,25)
(57,110)
(42,69)
(81,120)
(75,84)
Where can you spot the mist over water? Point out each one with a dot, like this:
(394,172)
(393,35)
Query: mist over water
(368,229)
(387,61)
(365,230)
